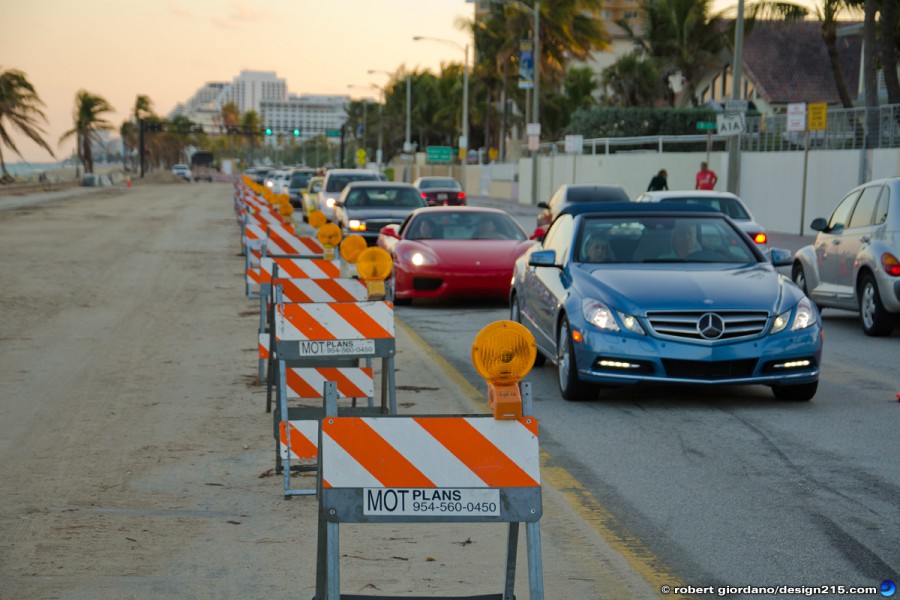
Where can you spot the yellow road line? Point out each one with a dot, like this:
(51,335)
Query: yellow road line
(638,556)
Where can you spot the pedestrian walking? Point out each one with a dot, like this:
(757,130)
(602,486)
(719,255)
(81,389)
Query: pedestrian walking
(706,178)
(659,182)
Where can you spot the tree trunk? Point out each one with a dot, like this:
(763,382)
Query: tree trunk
(829,36)
(888,49)
(870,79)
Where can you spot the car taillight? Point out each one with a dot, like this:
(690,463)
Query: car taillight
(461,195)
(890,264)
(760,238)
(424,196)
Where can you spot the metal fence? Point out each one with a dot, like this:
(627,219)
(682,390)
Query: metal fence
(845,130)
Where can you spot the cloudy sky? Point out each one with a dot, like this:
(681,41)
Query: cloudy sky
(167,49)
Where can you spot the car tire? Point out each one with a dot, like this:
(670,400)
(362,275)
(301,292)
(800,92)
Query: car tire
(873,316)
(801,392)
(570,386)
(515,314)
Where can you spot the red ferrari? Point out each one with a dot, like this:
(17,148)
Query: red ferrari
(453,251)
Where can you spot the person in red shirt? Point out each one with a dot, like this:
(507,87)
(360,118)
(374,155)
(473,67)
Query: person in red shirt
(706,178)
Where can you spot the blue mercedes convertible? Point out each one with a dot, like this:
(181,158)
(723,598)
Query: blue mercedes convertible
(624,293)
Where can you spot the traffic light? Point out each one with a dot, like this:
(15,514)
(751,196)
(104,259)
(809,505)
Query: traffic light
(268,131)
(296,133)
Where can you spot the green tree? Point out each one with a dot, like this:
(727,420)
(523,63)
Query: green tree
(632,80)
(20,109)
(680,37)
(88,122)
(570,31)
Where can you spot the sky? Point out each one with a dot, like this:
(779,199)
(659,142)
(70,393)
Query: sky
(167,49)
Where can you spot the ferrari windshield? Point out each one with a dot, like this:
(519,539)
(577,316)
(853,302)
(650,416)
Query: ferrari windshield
(463,225)
(643,239)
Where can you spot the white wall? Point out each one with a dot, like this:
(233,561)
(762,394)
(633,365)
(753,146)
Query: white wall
(771,182)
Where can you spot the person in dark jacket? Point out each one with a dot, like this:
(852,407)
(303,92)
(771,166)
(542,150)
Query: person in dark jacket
(658,182)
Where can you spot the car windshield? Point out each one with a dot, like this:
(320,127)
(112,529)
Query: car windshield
(729,206)
(426,184)
(299,180)
(383,197)
(657,239)
(467,225)
(337,183)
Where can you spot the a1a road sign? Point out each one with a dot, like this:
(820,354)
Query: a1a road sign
(730,123)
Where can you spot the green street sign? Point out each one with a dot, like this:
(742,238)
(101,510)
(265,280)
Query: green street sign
(438,154)
(706,125)
(337,132)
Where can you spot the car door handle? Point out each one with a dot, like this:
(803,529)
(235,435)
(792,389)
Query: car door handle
(835,242)
(865,239)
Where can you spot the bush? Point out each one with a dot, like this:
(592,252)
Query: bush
(601,122)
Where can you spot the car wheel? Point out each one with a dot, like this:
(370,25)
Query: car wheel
(802,392)
(798,276)
(515,314)
(570,386)
(873,317)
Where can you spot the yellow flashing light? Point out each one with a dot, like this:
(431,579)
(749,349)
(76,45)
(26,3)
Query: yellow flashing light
(351,247)
(316,219)
(503,353)
(329,234)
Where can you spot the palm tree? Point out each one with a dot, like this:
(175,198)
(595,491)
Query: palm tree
(143,107)
(20,107)
(828,14)
(632,81)
(681,37)
(570,30)
(88,121)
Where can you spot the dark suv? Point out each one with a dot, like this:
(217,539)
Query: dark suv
(570,193)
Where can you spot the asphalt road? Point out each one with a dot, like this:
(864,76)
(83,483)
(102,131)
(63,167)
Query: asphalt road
(728,486)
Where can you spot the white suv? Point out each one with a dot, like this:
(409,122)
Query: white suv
(335,182)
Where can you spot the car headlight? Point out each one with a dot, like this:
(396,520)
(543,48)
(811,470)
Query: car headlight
(418,258)
(601,316)
(804,316)
(357,225)
(329,202)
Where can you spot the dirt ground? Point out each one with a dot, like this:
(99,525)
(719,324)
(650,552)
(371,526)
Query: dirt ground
(136,457)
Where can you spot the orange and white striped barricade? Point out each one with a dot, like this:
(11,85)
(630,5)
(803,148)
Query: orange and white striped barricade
(287,267)
(297,437)
(332,334)
(429,469)
(339,289)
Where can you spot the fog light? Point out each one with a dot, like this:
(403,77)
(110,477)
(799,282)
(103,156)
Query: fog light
(792,364)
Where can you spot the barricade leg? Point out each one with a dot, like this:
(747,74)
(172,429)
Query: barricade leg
(512,549)
(535,562)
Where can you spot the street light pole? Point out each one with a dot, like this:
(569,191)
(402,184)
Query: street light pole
(464,134)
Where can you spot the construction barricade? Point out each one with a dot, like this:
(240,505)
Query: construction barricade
(299,290)
(287,267)
(330,338)
(428,469)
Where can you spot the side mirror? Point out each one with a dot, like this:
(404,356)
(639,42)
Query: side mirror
(780,257)
(542,258)
(390,231)
(819,224)
(543,205)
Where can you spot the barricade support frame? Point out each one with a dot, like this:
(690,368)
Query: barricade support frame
(328,542)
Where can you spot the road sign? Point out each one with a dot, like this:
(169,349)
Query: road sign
(706,126)
(333,132)
(732,105)
(438,154)
(817,116)
(796,116)
(730,123)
